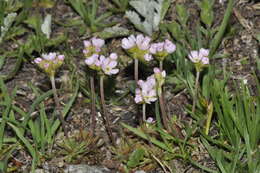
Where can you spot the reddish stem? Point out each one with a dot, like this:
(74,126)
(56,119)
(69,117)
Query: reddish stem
(93,106)
(105,115)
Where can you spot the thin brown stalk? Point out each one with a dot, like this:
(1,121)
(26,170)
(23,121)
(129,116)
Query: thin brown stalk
(163,111)
(105,115)
(93,105)
(196,92)
(58,108)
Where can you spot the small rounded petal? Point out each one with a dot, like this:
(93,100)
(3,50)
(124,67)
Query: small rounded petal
(127,43)
(98,63)
(102,58)
(156,70)
(163,73)
(97,42)
(204,52)
(148,57)
(150,120)
(61,57)
(153,48)
(145,44)
(37,60)
(114,71)
(91,60)
(140,82)
(139,39)
(169,46)
(87,43)
(112,64)
(160,46)
(194,56)
(113,56)
(205,60)
(52,55)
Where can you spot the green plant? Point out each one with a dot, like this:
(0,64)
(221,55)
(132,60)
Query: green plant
(239,126)
(88,12)
(78,146)
(120,5)
(42,128)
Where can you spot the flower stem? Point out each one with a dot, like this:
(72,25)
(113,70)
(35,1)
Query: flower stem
(57,103)
(105,115)
(161,65)
(93,106)
(163,111)
(136,70)
(144,112)
(196,91)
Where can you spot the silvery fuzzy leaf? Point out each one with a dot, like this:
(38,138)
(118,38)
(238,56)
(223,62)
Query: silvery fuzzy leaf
(46,26)
(153,11)
(143,7)
(134,18)
(112,32)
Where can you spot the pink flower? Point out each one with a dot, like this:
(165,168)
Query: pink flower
(150,120)
(92,59)
(194,56)
(142,42)
(61,57)
(169,46)
(146,93)
(166,46)
(138,96)
(97,42)
(108,64)
(128,43)
(200,56)
(205,60)
(37,60)
(113,56)
(157,71)
(204,52)
(51,56)
(87,43)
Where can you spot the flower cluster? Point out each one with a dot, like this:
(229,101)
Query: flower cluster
(162,49)
(148,90)
(200,58)
(99,62)
(93,46)
(146,93)
(50,62)
(138,47)
(106,64)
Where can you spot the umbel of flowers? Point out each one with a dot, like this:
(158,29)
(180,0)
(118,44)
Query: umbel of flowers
(138,47)
(199,58)
(161,50)
(50,62)
(149,90)
(96,61)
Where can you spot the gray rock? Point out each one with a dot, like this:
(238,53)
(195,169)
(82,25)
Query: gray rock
(85,169)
